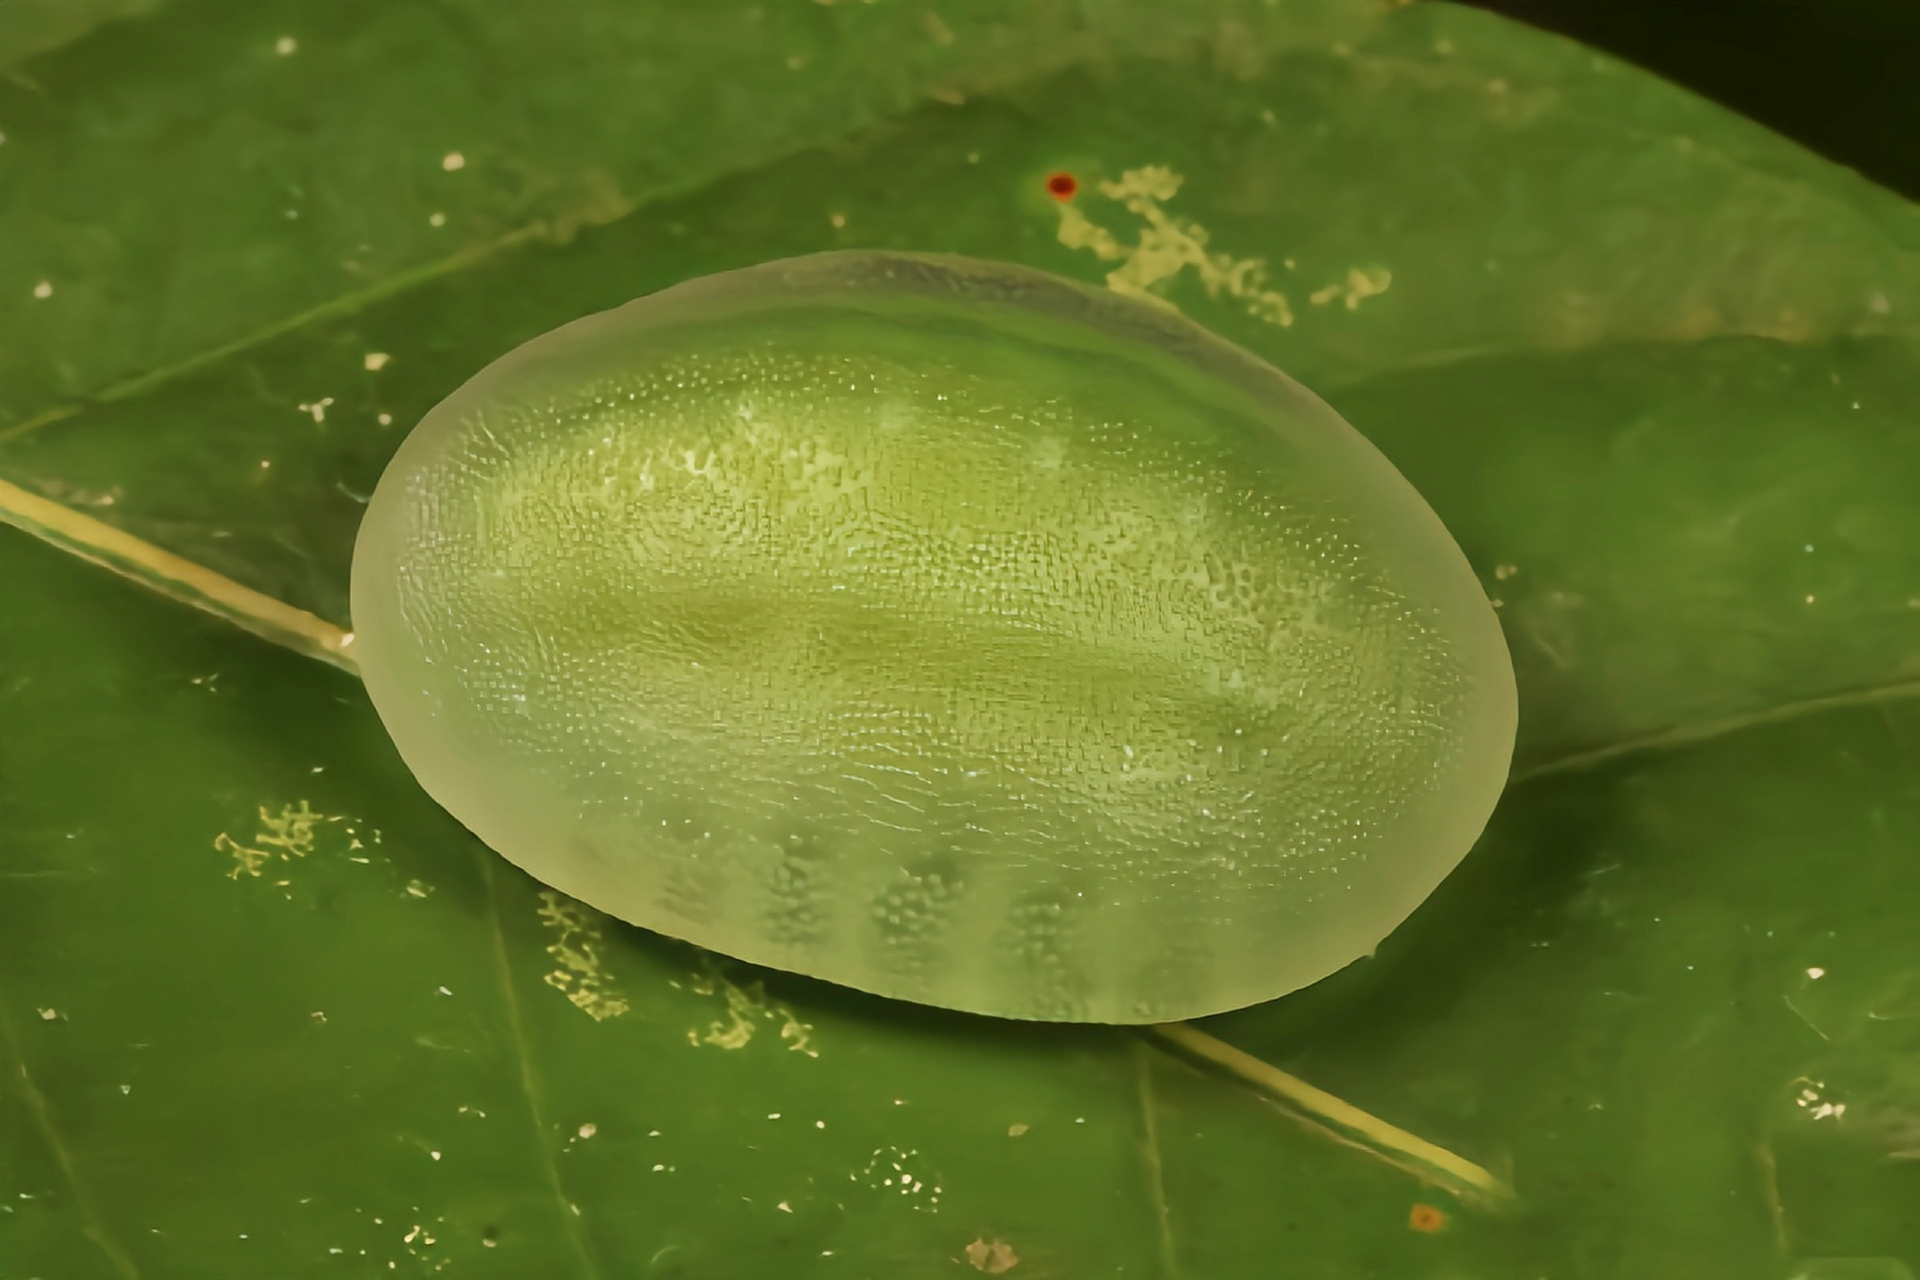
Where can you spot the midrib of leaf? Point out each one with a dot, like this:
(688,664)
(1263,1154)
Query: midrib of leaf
(43,1121)
(529,1081)
(1340,1120)
(175,577)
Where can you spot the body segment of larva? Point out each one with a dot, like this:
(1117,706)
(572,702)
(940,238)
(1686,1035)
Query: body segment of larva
(939,628)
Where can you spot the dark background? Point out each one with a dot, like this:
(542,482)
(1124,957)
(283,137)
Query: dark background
(1839,76)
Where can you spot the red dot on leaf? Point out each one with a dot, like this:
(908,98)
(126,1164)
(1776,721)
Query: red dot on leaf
(1426,1218)
(1062,186)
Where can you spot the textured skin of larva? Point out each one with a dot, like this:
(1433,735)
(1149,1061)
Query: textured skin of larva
(941,629)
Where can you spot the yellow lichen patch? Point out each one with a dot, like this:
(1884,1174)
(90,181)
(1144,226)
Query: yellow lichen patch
(995,1257)
(580,975)
(1360,284)
(747,1007)
(797,1034)
(286,835)
(737,1028)
(246,861)
(1168,245)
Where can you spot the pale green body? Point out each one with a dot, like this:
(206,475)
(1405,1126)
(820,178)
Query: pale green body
(941,629)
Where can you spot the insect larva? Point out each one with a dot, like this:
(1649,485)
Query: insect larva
(942,629)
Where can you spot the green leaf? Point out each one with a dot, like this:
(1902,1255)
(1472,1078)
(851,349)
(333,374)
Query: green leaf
(261,1000)
(218,173)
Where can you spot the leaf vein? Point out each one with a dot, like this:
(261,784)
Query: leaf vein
(1151,1159)
(1696,731)
(43,1119)
(529,1081)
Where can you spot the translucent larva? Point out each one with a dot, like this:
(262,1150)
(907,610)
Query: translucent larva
(942,629)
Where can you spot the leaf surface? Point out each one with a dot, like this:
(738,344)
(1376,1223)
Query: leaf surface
(260,1000)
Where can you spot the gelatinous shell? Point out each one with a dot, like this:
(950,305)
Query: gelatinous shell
(939,628)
